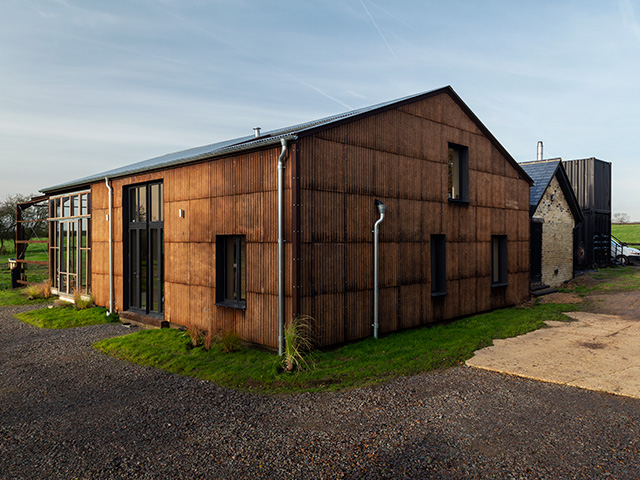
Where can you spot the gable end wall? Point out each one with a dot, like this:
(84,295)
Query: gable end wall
(557,235)
(400,157)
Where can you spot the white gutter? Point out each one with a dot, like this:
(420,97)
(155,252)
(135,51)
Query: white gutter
(109,217)
(283,142)
(381,208)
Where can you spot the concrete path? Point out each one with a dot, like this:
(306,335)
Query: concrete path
(595,352)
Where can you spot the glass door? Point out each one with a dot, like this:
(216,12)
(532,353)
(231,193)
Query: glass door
(145,245)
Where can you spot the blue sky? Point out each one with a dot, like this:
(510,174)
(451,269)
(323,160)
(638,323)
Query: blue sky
(90,85)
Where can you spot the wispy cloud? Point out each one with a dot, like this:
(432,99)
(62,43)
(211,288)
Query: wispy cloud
(629,17)
(396,18)
(254,58)
(375,24)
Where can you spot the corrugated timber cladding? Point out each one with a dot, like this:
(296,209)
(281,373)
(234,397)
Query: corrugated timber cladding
(235,195)
(400,157)
(331,180)
(591,182)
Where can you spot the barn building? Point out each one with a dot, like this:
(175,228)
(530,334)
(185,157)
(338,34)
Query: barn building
(245,234)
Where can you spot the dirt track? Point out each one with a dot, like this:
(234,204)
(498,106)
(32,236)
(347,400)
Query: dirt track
(623,304)
(598,350)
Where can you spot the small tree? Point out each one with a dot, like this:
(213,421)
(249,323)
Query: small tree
(620,218)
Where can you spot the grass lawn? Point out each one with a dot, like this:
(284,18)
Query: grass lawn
(366,362)
(66,317)
(617,279)
(612,279)
(628,232)
(19,297)
(5,273)
(35,273)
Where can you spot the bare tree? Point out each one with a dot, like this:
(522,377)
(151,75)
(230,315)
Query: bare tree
(620,218)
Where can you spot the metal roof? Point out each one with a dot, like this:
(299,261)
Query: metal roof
(267,138)
(541,172)
(220,148)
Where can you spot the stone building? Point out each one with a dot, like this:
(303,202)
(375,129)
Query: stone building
(554,212)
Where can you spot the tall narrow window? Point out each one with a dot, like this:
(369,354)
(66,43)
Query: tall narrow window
(498,260)
(458,173)
(438,265)
(145,248)
(231,270)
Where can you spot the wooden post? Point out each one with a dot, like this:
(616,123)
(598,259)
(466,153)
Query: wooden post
(17,272)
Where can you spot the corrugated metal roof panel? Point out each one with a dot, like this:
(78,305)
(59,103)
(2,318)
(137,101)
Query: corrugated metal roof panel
(176,158)
(271,137)
(220,148)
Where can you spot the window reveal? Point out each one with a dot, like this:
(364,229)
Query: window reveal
(458,172)
(231,270)
(499,268)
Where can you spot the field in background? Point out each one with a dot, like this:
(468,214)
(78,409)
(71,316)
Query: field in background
(35,273)
(626,232)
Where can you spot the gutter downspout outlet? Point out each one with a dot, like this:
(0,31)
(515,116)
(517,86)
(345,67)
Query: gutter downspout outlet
(283,142)
(381,208)
(109,219)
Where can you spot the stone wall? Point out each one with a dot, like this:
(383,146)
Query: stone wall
(557,236)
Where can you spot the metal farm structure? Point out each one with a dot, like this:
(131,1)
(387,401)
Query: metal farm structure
(591,181)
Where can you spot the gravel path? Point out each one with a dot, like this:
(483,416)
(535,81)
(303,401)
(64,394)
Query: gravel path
(68,411)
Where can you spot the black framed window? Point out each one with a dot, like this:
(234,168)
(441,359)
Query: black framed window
(144,243)
(498,260)
(458,167)
(438,265)
(231,270)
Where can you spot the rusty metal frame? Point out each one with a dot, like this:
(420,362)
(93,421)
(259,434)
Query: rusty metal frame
(18,277)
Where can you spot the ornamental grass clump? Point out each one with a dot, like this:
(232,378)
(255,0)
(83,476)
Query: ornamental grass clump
(229,341)
(194,334)
(207,340)
(80,301)
(298,337)
(39,290)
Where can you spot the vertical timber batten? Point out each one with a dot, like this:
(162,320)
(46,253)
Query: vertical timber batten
(294,160)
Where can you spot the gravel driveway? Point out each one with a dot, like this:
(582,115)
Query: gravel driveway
(68,411)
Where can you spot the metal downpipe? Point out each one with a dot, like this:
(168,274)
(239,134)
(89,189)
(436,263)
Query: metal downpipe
(281,248)
(381,208)
(110,216)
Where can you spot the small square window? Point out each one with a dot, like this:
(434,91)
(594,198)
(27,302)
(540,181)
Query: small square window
(438,265)
(458,163)
(231,270)
(499,268)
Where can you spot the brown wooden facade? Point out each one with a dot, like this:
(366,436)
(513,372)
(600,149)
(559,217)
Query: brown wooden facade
(333,174)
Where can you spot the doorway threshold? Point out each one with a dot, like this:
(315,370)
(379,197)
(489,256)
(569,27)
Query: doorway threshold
(142,320)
